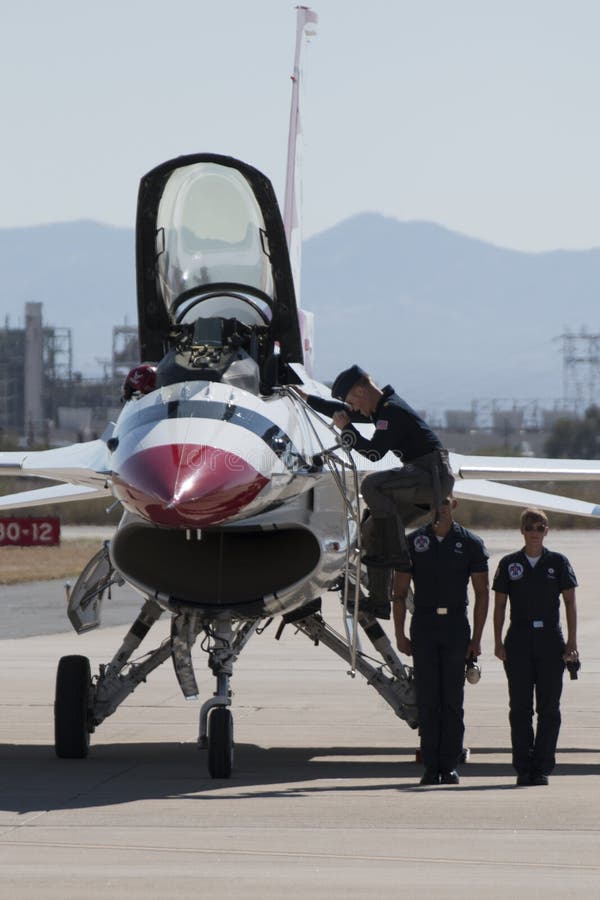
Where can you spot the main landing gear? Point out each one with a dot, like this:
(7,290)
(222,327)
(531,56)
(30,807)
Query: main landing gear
(392,680)
(72,707)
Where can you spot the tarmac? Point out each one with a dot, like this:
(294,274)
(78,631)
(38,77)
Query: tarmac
(324,799)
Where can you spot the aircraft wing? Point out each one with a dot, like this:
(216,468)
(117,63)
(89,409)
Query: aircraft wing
(83,464)
(84,469)
(493,492)
(517,468)
(56,493)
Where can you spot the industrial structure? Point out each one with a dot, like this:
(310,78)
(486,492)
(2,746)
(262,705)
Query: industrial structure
(42,401)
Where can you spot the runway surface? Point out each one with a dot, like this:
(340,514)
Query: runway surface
(323,801)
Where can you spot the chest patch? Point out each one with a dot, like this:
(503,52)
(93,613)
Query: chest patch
(458,547)
(421,543)
(515,571)
(551,573)
(382,424)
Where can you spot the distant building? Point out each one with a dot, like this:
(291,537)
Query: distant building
(460,420)
(41,399)
(12,378)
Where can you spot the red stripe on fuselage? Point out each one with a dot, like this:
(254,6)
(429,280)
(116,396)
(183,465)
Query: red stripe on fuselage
(185,485)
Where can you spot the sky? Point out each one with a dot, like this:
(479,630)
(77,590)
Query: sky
(480,115)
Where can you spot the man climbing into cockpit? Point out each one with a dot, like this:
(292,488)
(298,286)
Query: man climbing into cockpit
(396,496)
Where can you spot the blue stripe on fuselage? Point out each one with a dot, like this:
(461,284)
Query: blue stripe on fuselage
(273,436)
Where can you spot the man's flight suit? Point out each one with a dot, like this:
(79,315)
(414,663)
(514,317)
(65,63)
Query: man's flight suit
(397,496)
(440,635)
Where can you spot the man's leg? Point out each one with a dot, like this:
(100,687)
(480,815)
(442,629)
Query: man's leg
(379,602)
(379,577)
(385,493)
(427,684)
(452,676)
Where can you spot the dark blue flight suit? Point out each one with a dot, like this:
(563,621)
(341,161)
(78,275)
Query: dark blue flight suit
(440,635)
(534,646)
(406,492)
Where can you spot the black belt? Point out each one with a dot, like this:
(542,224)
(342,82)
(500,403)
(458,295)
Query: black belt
(442,610)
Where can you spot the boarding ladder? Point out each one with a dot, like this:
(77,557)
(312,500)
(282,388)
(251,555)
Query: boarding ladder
(396,688)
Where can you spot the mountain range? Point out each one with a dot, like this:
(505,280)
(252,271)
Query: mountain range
(444,317)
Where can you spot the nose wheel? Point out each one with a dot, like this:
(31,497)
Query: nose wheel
(72,706)
(220,742)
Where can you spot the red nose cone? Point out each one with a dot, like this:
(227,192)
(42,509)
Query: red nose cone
(187,486)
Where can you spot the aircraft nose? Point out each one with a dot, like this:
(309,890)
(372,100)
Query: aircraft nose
(191,486)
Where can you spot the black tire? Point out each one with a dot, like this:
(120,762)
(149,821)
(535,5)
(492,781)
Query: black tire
(71,707)
(220,742)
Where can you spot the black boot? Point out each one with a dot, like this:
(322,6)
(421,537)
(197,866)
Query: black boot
(396,548)
(380,592)
(387,547)
(372,539)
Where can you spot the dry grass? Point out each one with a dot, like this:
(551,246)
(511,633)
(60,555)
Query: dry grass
(19,564)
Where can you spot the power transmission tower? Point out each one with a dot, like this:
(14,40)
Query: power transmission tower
(581,369)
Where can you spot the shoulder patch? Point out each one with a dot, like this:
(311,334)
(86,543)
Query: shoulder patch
(421,543)
(515,571)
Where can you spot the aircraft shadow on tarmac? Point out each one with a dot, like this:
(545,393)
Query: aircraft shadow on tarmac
(33,778)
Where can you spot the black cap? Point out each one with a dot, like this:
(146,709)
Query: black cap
(345,381)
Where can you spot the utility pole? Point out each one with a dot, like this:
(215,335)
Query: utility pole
(581,369)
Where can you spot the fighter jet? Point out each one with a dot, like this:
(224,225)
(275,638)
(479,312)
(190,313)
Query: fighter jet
(240,505)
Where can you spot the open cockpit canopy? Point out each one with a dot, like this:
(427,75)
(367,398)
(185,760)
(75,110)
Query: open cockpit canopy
(211,247)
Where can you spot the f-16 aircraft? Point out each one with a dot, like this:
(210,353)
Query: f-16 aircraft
(240,506)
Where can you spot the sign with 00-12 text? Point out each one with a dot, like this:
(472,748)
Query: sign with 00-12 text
(27,531)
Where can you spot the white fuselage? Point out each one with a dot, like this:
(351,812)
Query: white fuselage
(228,503)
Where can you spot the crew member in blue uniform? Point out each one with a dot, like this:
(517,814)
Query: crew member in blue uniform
(397,496)
(445,556)
(534,652)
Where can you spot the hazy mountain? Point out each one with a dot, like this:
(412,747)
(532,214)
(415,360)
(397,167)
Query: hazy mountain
(444,317)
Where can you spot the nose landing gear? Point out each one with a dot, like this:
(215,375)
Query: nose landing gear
(220,742)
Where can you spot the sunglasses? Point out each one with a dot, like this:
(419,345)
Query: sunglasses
(539,528)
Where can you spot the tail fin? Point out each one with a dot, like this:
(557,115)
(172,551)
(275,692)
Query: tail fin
(306,19)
